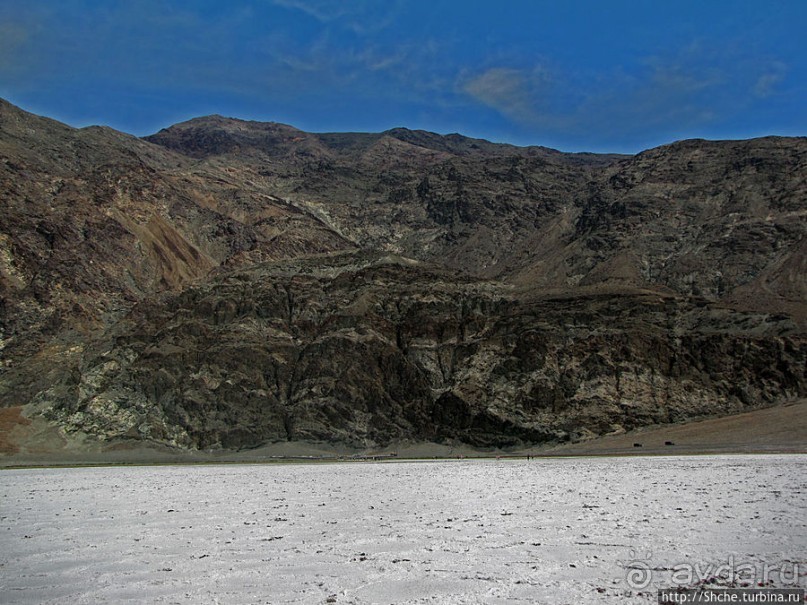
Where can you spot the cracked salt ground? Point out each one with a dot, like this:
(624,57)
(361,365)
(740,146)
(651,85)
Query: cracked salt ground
(544,531)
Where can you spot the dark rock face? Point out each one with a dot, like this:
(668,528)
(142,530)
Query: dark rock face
(369,351)
(706,217)
(227,283)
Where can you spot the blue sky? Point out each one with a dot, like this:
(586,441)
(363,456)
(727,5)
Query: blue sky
(615,75)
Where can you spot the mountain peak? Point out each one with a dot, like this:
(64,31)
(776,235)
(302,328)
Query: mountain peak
(216,135)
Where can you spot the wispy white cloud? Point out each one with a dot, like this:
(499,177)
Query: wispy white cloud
(695,87)
(514,92)
(767,83)
(323,11)
(13,38)
(362,17)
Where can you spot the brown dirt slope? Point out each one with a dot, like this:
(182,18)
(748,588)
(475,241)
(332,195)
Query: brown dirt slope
(782,428)
(10,418)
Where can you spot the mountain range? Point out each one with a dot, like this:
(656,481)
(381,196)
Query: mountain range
(224,284)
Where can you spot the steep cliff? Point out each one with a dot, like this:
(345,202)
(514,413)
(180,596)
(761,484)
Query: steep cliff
(370,350)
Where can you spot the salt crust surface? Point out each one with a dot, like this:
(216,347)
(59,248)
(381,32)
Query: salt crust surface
(463,531)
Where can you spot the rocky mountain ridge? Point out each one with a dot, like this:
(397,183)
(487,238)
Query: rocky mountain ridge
(223,284)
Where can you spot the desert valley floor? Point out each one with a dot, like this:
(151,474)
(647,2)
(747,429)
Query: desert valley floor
(578,530)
